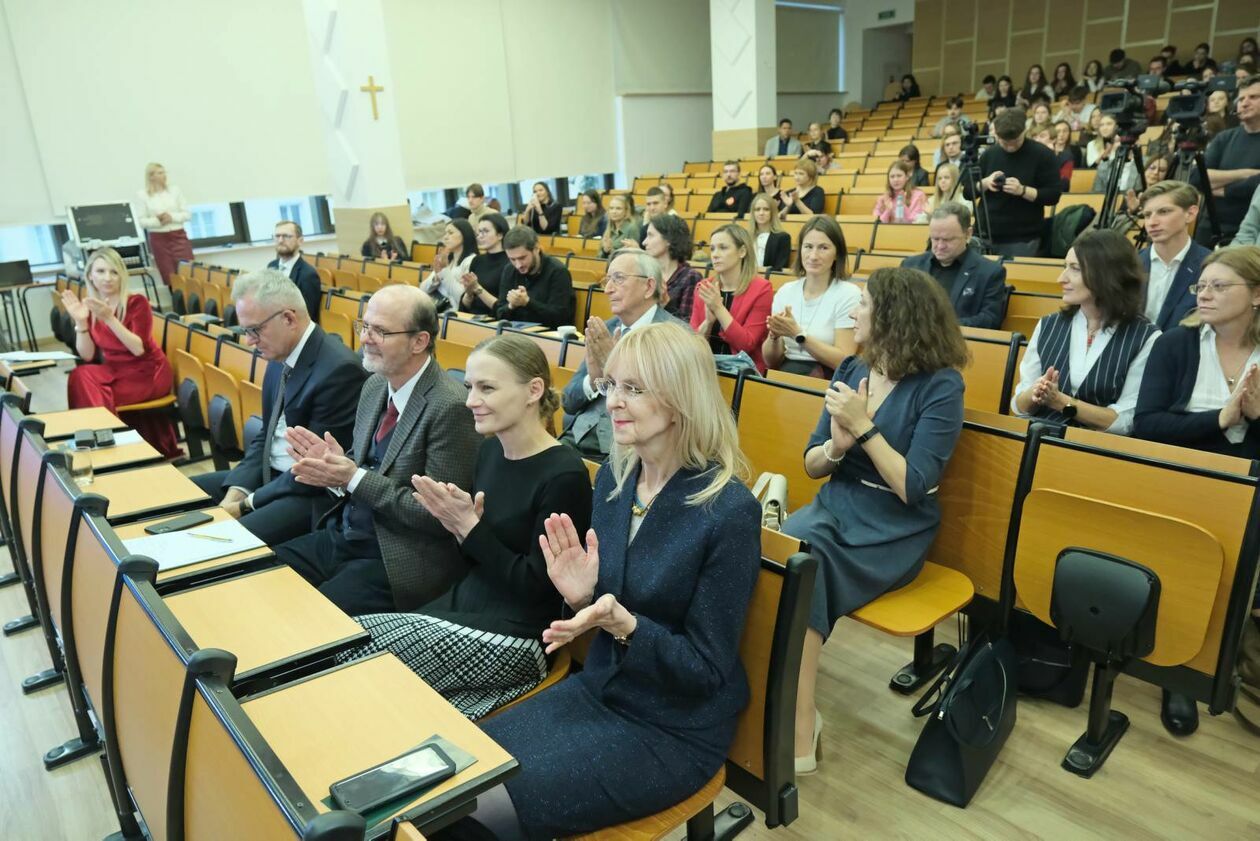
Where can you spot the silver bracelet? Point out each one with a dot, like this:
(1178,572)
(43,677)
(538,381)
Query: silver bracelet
(827,453)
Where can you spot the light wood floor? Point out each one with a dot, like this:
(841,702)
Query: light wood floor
(1154,786)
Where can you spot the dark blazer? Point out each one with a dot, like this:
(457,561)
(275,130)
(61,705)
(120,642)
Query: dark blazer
(979,296)
(1167,384)
(1180,300)
(434,437)
(778,251)
(307,280)
(321,394)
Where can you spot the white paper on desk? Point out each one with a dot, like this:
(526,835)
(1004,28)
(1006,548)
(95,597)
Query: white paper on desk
(121,439)
(182,548)
(36,356)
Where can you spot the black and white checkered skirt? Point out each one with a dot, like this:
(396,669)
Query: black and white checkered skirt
(477,671)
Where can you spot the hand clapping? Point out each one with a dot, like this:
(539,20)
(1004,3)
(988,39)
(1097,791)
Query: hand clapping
(452,506)
(1244,400)
(711,293)
(517,297)
(783,325)
(1045,392)
(74,307)
(599,343)
(847,407)
(320,462)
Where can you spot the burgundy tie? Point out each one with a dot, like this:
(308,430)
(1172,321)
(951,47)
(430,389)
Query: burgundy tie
(388,421)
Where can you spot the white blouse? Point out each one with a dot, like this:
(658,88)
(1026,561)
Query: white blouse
(762,239)
(447,282)
(1211,390)
(819,318)
(1080,361)
(170,200)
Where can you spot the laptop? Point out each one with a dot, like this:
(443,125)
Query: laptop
(15,273)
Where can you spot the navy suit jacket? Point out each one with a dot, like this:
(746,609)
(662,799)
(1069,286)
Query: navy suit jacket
(979,296)
(321,394)
(1179,300)
(307,280)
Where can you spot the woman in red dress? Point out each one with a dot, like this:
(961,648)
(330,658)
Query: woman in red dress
(114,334)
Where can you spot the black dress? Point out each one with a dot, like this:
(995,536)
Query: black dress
(489,271)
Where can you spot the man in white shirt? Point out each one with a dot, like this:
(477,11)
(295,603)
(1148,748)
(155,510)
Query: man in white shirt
(636,296)
(289,262)
(1172,261)
(312,380)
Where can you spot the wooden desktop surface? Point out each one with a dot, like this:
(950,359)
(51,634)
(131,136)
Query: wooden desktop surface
(262,618)
(124,455)
(355,717)
(65,424)
(145,489)
(218,515)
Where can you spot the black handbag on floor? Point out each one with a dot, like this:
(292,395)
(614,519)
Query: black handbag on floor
(967,724)
(1047,667)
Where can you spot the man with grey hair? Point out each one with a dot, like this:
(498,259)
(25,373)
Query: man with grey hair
(636,295)
(379,549)
(976,286)
(312,380)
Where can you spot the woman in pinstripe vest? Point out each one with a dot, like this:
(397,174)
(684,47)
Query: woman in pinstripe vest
(1084,363)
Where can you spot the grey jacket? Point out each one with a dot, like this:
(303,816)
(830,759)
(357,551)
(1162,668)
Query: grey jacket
(434,437)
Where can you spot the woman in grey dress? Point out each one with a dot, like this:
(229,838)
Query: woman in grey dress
(891,417)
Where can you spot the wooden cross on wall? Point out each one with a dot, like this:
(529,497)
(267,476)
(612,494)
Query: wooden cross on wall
(372,89)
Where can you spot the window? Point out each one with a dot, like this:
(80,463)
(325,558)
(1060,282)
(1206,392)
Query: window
(210,221)
(38,244)
(426,203)
(582,183)
(261,215)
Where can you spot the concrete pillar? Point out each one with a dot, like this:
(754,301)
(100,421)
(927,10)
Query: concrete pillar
(742,49)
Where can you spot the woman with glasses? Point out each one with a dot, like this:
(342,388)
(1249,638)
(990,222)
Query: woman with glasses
(113,335)
(731,306)
(445,283)
(890,419)
(1084,363)
(478,643)
(1202,383)
(811,330)
(663,578)
(481,281)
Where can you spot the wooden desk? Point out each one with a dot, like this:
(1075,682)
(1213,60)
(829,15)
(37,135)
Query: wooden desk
(167,578)
(146,490)
(271,620)
(123,456)
(65,424)
(356,716)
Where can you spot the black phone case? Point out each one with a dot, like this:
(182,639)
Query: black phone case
(390,795)
(185,521)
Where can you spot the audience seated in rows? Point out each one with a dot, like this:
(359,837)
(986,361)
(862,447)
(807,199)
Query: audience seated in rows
(783,143)
(121,364)
(946,187)
(1200,62)
(669,579)
(312,380)
(473,207)
(768,182)
(485,273)
(835,131)
(1233,165)
(535,287)
(1035,86)
(950,150)
(542,211)
(811,328)
(817,140)
(901,203)
(909,88)
(734,196)
(805,198)
(382,243)
(1076,111)
(1172,262)
(1004,97)
(451,262)
(1102,155)
(953,117)
(594,219)
(772,245)
(889,423)
(975,286)
(1062,81)
(377,549)
(988,87)
(668,241)
(289,262)
(910,154)
(622,229)
(732,305)
(1092,76)
(1084,364)
(636,295)
(479,642)
(1120,66)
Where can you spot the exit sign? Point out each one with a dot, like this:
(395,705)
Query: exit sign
(888,15)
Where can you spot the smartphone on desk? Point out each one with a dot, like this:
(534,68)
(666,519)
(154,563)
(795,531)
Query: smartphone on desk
(412,772)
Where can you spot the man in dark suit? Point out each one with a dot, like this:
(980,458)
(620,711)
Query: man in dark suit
(312,380)
(976,286)
(1172,261)
(636,295)
(289,262)
(378,549)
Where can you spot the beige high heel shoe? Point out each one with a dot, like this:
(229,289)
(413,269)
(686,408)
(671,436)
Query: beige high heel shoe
(808,764)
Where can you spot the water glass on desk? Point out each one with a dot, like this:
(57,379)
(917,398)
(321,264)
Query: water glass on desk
(80,464)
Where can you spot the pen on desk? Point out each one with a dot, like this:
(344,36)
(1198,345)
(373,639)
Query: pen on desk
(210,537)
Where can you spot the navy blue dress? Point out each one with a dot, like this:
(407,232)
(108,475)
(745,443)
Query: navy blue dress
(866,539)
(644,726)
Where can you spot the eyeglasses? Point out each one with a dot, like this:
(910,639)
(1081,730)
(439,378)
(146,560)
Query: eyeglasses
(1216,287)
(618,278)
(375,333)
(254,331)
(607,386)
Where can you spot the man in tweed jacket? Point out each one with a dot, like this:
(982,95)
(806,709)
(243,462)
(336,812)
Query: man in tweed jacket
(378,549)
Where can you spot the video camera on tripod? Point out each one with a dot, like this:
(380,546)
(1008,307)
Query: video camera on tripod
(1127,106)
(1187,108)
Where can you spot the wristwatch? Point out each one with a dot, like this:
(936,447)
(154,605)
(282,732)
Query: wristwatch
(246,506)
(1069,410)
(800,339)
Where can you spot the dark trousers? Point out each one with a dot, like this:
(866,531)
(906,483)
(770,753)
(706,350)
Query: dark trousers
(284,518)
(1019,248)
(350,573)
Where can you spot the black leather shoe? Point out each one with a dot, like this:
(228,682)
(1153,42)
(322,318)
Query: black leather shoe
(1179,714)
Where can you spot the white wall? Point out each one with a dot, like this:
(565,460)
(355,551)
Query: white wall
(650,57)
(113,84)
(23,191)
(659,133)
(859,16)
